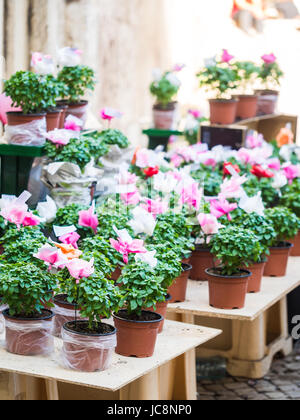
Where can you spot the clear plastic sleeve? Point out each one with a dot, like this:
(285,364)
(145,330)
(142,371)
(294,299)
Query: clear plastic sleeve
(77,195)
(62,316)
(2,320)
(79,112)
(29,338)
(30,134)
(87,353)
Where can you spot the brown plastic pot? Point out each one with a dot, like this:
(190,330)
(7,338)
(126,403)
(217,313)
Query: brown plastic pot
(164,118)
(161,309)
(28,338)
(255,280)
(295,252)
(53,119)
(227,292)
(223,111)
(179,286)
(63,317)
(116,274)
(278,260)
(87,352)
(63,106)
(79,110)
(18,118)
(267,101)
(247,106)
(136,338)
(201,260)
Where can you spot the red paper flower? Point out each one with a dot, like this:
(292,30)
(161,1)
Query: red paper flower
(150,172)
(260,172)
(227,165)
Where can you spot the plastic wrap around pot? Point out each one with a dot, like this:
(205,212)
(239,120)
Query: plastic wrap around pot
(2,320)
(78,111)
(62,316)
(87,353)
(29,134)
(29,338)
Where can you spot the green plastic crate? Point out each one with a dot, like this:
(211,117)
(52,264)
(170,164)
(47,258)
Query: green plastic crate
(160,137)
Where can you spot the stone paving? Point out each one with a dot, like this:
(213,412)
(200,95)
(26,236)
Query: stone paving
(282,383)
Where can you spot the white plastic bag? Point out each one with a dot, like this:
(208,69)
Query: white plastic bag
(30,134)
(62,316)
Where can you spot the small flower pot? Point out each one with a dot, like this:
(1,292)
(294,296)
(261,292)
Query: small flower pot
(161,309)
(165,118)
(223,111)
(63,106)
(29,337)
(78,110)
(53,119)
(179,286)
(267,102)
(35,129)
(295,252)
(247,106)
(278,260)
(87,352)
(201,260)
(227,292)
(255,280)
(116,274)
(64,312)
(136,336)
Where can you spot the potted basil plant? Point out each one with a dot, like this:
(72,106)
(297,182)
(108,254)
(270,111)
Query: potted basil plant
(228,283)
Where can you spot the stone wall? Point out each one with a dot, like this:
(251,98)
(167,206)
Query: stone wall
(121,39)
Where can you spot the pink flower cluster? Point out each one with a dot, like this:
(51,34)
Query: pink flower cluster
(16,211)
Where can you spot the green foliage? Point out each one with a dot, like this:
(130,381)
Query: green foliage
(79,151)
(113,137)
(291,197)
(23,234)
(164,90)
(169,265)
(270,75)
(236,247)
(79,80)
(142,287)
(192,134)
(101,246)
(211,181)
(110,214)
(219,78)
(285,223)
(26,288)
(32,92)
(247,71)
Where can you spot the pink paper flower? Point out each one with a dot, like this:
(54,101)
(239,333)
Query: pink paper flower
(209,224)
(245,156)
(232,188)
(292,172)
(195,113)
(42,64)
(31,220)
(15,214)
(60,137)
(70,239)
(125,245)
(210,162)
(222,207)
(253,141)
(109,114)
(73,123)
(127,178)
(155,207)
(177,160)
(274,163)
(132,198)
(269,58)
(226,57)
(51,256)
(80,269)
(142,158)
(178,67)
(191,195)
(88,218)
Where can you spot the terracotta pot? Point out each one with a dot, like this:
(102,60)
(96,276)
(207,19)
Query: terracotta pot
(136,338)
(78,110)
(64,312)
(29,337)
(201,260)
(223,111)
(255,280)
(87,352)
(63,106)
(267,102)
(53,119)
(247,106)
(116,274)
(34,133)
(296,248)
(278,261)
(164,118)
(161,309)
(227,292)
(179,286)
(18,118)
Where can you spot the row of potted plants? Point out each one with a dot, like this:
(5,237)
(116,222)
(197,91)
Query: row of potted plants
(239,89)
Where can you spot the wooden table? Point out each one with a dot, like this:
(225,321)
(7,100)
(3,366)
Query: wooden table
(251,336)
(169,374)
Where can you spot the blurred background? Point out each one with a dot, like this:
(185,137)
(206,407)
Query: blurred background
(123,40)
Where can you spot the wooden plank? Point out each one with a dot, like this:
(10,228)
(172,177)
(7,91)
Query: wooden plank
(176,340)
(273,290)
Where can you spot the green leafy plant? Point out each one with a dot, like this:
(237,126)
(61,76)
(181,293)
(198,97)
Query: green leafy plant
(285,223)
(113,137)
(79,80)
(32,92)
(270,75)
(220,78)
(26,288)
(165,89)
(68,216)
(142,287)
(269,194)
(96,246)
(169,265)
(247,71)
(112,213)
(291,197)
(236,248)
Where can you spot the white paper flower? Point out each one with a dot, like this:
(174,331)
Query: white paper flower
(279,180)
(165,183)
(286,152)
(173,79)
(252,204)
(47,210)
(157,75)
(42,64)
(142,222)
(210,62)
(148,258)
(69,57)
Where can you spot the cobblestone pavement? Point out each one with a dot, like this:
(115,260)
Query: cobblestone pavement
(282,383)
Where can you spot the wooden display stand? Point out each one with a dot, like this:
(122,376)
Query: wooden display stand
(169,375)
(251,336)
